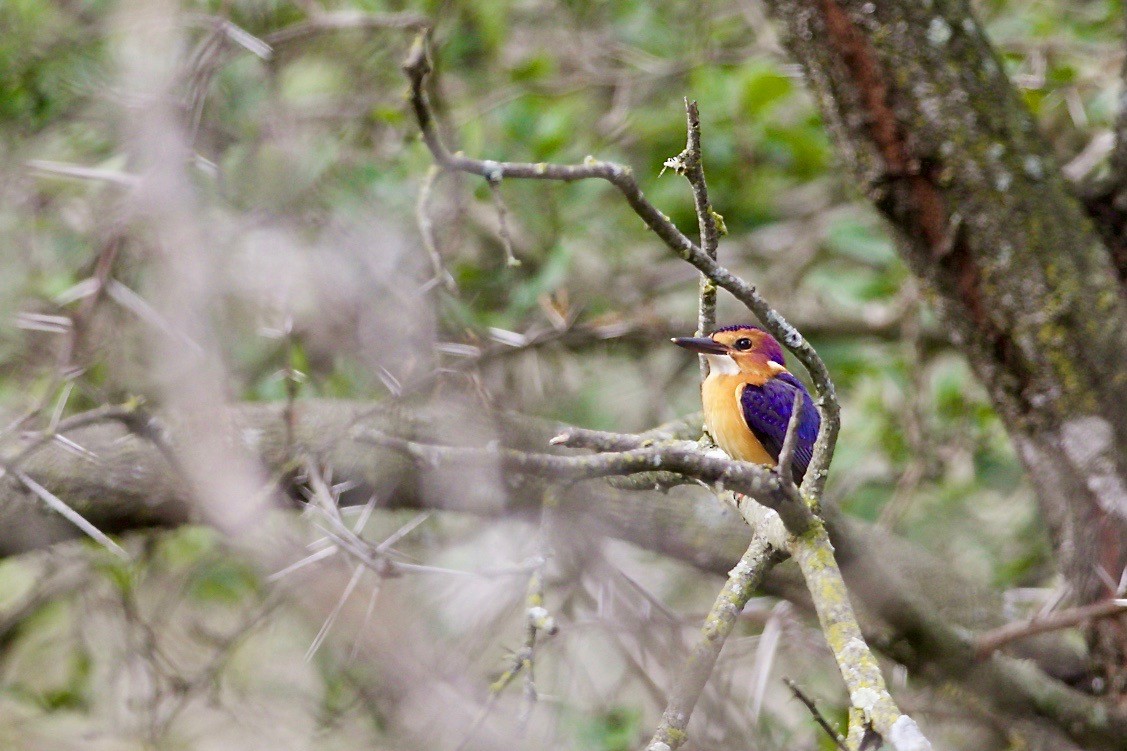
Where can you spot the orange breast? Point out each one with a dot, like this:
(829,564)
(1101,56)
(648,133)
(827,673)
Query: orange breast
(723,416)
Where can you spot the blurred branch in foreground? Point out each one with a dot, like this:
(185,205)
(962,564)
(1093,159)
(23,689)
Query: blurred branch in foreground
(902,589)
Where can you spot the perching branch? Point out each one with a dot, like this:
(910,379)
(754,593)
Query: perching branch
(417,67)
(814,553)
(684,457)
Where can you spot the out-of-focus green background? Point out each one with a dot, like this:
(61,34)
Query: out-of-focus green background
(312,139)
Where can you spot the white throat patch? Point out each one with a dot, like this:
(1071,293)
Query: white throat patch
(722,365)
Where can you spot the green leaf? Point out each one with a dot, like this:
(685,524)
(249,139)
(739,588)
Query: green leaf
(762,87)
(223,581)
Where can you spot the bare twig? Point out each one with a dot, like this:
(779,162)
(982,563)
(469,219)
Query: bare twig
(75,326)
(742,582)
(786,453)
(494,181)
(537,620)
(347,20)
(603,440)
(991,641)
(817,715)
(209,57)
(426,228)
(327,624)
(690,163)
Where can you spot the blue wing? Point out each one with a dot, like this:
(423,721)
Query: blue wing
(767,410)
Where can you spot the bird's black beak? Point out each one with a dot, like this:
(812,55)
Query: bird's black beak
(702,344)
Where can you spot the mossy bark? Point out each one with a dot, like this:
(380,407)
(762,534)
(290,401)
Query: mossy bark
(921,111)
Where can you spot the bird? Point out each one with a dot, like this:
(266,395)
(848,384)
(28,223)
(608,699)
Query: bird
(748,397)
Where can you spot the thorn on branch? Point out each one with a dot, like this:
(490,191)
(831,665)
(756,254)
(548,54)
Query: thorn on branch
(56,504)
(819,718)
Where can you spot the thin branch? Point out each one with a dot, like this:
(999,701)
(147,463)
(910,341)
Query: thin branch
(494,182)
(742,582)
(209,56)
(690,163)
(991,641)
(859,668)
(417,67)
(684,457)
(345,21)
(231,31)
(786,453)
(110,413)
(426,228)
(537,619)
(603,441)
(43,168)
(327,625)
(818,716)
(600,440)
(56,504)
(75,326)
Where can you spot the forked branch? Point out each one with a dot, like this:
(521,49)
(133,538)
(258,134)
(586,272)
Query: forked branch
(417,67)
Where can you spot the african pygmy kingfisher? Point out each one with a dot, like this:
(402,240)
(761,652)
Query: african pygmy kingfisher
(748,397)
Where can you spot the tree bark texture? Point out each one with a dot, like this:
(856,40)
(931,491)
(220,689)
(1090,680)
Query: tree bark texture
(921,111)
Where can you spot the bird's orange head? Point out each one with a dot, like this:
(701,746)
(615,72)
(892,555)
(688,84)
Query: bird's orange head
(748,348)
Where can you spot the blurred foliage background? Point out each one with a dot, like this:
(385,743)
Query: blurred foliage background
(302,132)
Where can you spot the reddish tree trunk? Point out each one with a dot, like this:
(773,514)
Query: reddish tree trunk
(923,114)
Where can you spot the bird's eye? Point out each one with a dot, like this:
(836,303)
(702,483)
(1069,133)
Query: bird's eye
(742,344)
